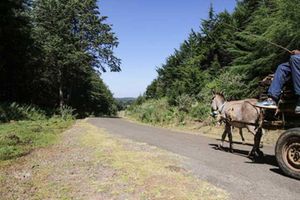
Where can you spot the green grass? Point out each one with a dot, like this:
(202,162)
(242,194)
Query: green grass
(20,137)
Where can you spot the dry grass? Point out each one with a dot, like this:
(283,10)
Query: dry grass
(144,172)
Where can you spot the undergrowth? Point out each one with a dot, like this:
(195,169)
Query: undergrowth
(160,112)
(25,127)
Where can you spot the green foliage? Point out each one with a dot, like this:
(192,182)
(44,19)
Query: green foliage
(16,112)
(66,113)
(160,112)
(154,112)
(232,85)
(185,102)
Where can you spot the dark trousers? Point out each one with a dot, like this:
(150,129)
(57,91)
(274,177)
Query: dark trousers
(283,73)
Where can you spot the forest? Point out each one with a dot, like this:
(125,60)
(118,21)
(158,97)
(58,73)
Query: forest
(230,53)
(52,54)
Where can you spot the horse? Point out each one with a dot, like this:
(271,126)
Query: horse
(220,120)
(239,114)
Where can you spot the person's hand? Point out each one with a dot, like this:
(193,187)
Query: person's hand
(296,52)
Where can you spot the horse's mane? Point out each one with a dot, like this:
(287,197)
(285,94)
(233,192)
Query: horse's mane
(220,94)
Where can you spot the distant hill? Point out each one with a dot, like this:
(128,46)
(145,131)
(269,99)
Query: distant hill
(125,99)
(124,102)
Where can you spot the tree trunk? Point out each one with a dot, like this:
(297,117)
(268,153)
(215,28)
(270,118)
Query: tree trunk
(61,96)
(60,90)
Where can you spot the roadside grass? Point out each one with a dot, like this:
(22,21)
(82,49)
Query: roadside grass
(144,172)
(20,137)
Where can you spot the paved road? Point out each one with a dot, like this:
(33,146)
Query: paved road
(235,173)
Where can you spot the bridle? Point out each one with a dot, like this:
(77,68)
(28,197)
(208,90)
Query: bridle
(222,107)
(219,110)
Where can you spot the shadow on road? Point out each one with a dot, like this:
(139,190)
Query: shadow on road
(278,171)
(235,142)
(267,159)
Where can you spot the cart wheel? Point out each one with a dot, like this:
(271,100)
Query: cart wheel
(287,152)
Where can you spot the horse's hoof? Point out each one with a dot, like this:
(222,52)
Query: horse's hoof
(220,147)
(260,154)
(251,155)
(256,156)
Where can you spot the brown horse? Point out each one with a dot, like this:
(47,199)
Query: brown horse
(239,114)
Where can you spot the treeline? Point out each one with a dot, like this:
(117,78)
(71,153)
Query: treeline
(230,53)
(53,52)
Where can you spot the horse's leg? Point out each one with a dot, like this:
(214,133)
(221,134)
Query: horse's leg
(241,134)
(221,145)
(256,152)
(252,130)
(230,139)
(257,140)
(261,144)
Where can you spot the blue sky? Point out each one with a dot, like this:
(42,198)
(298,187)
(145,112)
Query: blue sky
(148,32)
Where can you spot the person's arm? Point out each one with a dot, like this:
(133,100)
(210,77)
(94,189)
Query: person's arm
(296,52)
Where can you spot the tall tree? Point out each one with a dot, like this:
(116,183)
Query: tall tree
(74,39)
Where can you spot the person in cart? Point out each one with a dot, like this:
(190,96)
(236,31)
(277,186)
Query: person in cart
(284,72)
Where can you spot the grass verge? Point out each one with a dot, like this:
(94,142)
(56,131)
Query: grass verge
(20,137)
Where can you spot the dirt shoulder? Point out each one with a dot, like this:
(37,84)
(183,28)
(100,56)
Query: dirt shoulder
(91,164)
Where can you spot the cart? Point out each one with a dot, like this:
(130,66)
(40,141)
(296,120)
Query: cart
(287,149)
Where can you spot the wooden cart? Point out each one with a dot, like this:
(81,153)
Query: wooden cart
(287,150)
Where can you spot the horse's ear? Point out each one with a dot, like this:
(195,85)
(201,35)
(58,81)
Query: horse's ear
(222,93)
(213,92)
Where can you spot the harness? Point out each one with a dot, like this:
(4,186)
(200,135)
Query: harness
(222,107)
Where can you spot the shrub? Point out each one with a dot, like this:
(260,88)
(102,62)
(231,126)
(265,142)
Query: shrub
(156,112)
(66,112)
(184,102)
(16,112)
(200,111)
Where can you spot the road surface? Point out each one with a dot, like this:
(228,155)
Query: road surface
(235,173)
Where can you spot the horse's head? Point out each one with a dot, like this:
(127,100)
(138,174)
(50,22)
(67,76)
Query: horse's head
(216,103)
